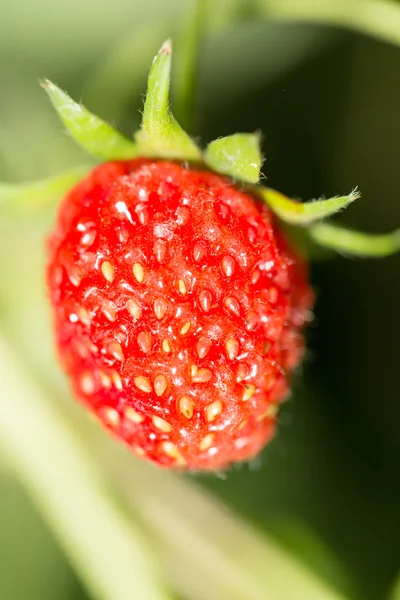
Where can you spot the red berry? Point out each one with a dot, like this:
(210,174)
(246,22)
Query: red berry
(178,310)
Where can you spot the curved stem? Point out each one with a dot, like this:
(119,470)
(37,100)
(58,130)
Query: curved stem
(378,18)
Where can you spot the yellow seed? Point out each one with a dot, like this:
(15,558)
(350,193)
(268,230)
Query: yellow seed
(160,308)
(206,442)
(241,372)
(142,214)
(228,265)
(88,238)
(143,384)
(193,370)
(182,287)
(115,349)
(109,311)
(199,251)
(233,305)
(160,249)
(117,381)
(255,276)
(160,384)
(138,451)
(203,346)
(92,347)
(232,348)
(132,415)
(110,416)
(273,295)
(161,424)
(134,309)
(166,346)
(83,316)
(186,406)
(144,341)
(249,390)
(185,328)
(138,272)
(202,376)
(242,425)
(75,276)
(270,413)
(213,410)
(205,299)
(105,380)
(108,271)
(87,383)
(172,451)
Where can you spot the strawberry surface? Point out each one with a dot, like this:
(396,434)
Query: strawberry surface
(178,308)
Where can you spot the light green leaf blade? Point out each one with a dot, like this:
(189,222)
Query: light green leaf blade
(302,214)
(254,567)
(31,197)
(92,133)
(357,243)
(63,479)
(160,134)
(395,595)
(236,155)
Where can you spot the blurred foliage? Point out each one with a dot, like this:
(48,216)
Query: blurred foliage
(320,80)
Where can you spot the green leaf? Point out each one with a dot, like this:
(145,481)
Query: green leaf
(302,214)
(160,134)
(31,197)
(237,155)
(354,242)
(254,567)
(88,130)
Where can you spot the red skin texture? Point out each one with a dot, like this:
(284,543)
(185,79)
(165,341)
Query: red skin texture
(245,294)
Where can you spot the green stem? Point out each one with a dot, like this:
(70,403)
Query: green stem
(64,481)
(186,61)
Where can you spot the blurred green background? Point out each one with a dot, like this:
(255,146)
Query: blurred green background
(321,81)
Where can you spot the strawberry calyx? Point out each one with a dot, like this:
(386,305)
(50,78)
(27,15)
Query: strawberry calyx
(237,156)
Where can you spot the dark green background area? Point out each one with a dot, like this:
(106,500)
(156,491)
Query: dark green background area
(327,102)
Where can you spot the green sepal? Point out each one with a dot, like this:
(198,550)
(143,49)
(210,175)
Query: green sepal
(302,214)
(92,133)
(236,155)
(31,197)
(160,134)
(355,243)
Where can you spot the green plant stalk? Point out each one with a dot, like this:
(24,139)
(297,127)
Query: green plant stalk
(64,482)
(188,46)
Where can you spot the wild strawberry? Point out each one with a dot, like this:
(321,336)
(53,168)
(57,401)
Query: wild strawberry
(178,310)
(178,302)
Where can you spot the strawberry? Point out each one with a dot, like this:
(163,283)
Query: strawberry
(179,296)
(179,309)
